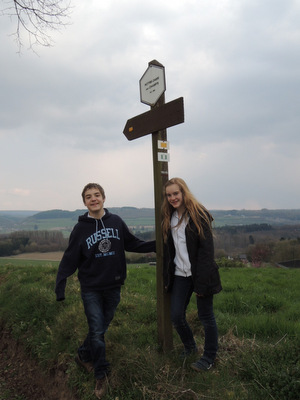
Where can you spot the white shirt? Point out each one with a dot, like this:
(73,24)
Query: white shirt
(181,260)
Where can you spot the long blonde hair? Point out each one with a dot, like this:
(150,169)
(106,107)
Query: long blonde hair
(192,206)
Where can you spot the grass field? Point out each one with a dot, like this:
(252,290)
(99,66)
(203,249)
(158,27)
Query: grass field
(259,334)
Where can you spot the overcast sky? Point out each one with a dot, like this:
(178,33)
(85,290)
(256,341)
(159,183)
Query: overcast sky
(236,63)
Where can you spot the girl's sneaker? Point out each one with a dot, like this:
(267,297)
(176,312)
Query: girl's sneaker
(202,365)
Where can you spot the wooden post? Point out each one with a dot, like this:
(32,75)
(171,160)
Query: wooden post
(160,173)
(155,121)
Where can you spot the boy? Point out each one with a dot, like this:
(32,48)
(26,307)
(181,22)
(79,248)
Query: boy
(96,248)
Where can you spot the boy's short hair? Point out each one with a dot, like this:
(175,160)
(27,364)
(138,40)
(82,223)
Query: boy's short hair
(93,186)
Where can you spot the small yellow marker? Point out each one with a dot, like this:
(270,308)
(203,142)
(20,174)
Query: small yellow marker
(163,144)
(130,129)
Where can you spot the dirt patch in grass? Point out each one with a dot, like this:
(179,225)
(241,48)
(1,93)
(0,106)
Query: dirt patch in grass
(22,378)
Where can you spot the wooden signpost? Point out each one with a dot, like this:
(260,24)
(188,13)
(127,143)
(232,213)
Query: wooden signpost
(161,116)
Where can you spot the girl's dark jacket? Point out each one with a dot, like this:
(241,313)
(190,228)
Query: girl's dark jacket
(98,252)
(205,271)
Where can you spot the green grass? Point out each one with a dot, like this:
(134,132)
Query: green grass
(258,320)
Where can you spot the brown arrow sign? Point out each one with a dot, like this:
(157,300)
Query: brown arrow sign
(158,118)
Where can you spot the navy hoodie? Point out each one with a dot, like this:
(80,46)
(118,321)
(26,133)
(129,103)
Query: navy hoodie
(97,249)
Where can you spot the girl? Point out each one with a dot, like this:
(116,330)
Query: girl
(190,267)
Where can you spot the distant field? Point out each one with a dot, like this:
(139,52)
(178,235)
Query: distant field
(66,225)
(51,256)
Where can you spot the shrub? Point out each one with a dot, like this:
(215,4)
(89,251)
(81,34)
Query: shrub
(227,263)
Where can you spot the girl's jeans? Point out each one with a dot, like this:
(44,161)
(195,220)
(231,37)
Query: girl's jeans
(180,298)
(99,309)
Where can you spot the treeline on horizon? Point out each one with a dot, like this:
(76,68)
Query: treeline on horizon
(257,242)
(31,241)
(44,242)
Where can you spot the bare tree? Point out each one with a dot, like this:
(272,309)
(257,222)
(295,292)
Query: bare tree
(36,18)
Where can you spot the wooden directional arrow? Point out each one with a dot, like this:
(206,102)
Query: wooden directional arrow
(168,114)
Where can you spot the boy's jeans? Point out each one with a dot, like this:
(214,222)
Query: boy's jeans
(181,294)
(99,309)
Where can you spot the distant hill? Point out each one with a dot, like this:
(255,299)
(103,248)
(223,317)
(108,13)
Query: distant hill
(124,212)
(138,218)
(263,216)
(18,213)
(63,220)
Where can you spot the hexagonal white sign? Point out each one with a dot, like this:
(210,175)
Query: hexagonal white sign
(152,84)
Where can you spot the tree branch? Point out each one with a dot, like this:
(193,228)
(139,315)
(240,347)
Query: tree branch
(37,18)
